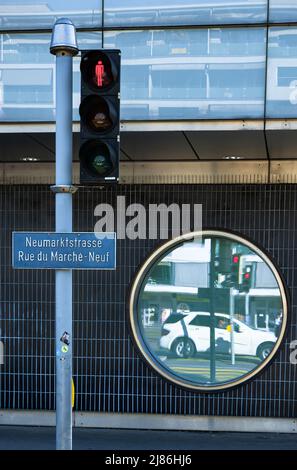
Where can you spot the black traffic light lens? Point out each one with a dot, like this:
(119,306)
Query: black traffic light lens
(101,165)
(97,70)
(97,113)
(95,158)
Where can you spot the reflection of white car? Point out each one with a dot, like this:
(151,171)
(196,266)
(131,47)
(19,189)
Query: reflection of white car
(185,335)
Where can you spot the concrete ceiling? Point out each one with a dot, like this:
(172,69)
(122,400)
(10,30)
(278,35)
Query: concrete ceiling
(282,144)
(171,145)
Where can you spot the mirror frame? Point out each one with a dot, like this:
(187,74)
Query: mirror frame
(141,344)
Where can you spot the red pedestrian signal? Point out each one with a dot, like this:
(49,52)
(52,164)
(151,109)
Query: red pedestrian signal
(99,73)
(246,278)
(235,264)
(235,259)
(100,69)
(99,116)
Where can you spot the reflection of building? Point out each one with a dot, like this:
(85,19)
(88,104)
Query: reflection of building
(167,74)
(177,279)
(262,303)
(183,277)
(199,72)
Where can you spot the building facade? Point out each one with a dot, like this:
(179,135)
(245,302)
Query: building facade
(208,117)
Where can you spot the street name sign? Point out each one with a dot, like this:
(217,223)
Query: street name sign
(52,250)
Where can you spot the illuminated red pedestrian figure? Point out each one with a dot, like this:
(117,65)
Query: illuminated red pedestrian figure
(99,72)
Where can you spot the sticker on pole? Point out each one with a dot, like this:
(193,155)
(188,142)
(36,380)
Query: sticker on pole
(51,250)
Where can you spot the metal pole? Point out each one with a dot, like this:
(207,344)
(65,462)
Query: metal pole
(232,299)
(64,46)
(212,336)
(247,310)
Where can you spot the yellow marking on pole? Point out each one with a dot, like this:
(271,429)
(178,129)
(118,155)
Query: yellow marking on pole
(72,393)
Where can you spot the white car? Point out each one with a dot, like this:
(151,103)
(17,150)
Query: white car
(185,335)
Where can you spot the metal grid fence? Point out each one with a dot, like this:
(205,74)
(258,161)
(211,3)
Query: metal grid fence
(109,374)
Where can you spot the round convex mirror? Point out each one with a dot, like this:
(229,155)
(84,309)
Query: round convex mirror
(208,310)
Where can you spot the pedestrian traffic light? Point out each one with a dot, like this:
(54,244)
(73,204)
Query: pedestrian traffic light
(235,264)
(222,258)
(246,278)
(99,116)
(232,277)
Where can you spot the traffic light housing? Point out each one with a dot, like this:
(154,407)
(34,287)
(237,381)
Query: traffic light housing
(232,277)
(246,278)
(235,265)
(100,116)
(222,258)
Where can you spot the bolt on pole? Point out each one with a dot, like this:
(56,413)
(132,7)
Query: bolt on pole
(64,47)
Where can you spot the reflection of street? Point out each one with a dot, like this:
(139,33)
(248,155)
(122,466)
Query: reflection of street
(198,369)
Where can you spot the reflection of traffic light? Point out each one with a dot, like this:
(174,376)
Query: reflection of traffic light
(99,116)
(246,278)
(222,257)
(235,264)
(232,277)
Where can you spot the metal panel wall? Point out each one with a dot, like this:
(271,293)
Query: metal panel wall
(110,376)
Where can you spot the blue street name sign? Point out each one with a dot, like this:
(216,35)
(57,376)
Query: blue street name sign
(42,250)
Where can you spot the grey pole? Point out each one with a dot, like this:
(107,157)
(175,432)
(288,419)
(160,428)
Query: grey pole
(64,47)
(212,335)
(232,306)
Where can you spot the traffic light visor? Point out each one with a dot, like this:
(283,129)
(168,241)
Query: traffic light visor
(98,70)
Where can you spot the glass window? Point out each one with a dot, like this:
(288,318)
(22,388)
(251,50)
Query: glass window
(281,73)
(27,76)
(282,11)
(213,337)
(191,74)
(201,320)
(182,12)
(26,14)
(86,40)
(222,322)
